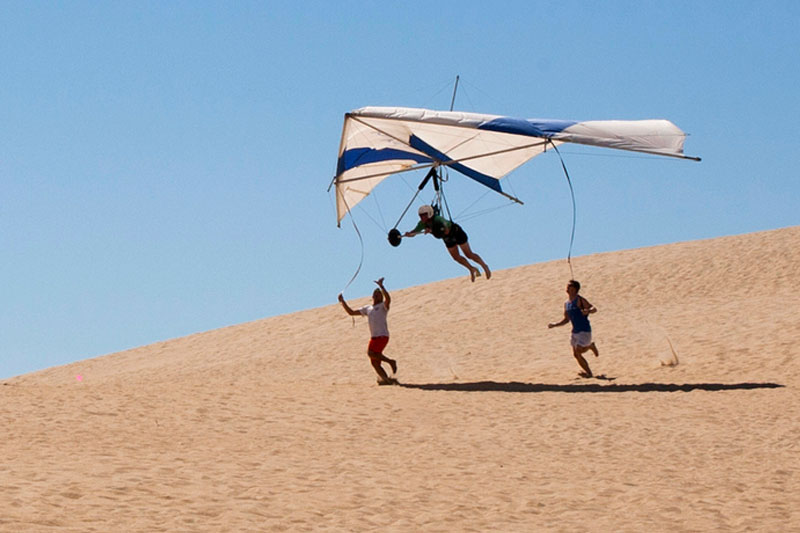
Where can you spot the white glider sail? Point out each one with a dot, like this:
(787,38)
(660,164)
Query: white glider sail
(380,141)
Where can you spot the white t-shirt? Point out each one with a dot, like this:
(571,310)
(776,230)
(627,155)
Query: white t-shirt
(376,316)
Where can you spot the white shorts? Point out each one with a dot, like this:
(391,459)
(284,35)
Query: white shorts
(581,338)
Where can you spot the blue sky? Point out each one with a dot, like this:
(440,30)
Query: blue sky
(164,165)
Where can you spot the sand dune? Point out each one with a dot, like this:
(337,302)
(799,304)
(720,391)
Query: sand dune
(278,425)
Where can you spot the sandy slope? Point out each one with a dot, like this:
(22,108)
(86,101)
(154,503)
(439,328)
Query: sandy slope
(278,425)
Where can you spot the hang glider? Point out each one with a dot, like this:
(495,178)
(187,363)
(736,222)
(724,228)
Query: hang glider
(380,141)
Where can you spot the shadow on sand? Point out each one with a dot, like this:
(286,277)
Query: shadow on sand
(514,386)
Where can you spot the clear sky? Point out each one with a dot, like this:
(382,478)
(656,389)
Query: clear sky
(164,165)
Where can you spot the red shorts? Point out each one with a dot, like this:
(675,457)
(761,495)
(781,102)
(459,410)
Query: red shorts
(377,344)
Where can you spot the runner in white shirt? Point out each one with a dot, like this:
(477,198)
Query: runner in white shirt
(378,330)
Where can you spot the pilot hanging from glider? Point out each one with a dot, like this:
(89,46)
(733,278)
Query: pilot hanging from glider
(454,237)
(431,220)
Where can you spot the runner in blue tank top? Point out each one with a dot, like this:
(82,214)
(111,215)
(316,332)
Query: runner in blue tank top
(577,310)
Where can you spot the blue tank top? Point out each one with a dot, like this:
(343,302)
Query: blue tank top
(579,321)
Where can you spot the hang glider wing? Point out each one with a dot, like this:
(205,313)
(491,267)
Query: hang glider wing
(380,141)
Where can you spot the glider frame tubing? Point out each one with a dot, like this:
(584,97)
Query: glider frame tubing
(438,182)
(432,173)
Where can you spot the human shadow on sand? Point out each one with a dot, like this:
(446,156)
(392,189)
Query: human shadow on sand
(515,386)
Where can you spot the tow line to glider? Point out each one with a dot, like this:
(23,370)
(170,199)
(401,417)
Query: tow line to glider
(574,212)
(361,261)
